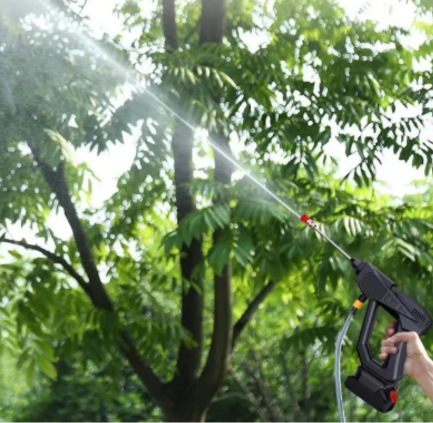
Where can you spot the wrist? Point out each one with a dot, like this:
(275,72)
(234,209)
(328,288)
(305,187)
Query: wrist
(423,372)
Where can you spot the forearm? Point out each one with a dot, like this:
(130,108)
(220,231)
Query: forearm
(425,378)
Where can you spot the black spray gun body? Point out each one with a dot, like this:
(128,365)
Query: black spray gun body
(375,382)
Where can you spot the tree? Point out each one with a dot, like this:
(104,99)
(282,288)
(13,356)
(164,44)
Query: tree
(60,96)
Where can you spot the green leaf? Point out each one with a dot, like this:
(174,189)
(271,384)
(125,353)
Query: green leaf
(47,367)
(30,373)
(169,242)
(23,357)
(15,254)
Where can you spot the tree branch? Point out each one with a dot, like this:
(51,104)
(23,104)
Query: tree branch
(54,258)
(143,371)
(219,356)
(56,180)
(251,310)
(82,7)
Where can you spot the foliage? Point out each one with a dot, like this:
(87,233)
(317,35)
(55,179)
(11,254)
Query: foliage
(318,76)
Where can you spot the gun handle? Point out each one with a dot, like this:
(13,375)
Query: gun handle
(392,369)
(375,382)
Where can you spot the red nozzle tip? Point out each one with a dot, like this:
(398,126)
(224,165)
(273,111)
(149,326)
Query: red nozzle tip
(305,218)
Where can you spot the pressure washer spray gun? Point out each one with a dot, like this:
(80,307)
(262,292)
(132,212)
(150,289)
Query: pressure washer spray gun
(375,382)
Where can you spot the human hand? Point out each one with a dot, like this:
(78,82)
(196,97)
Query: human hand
(417,361)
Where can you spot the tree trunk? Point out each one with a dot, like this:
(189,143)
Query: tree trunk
(189,359)
(192,394)
(188,364)
(212,21)
(169,25)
